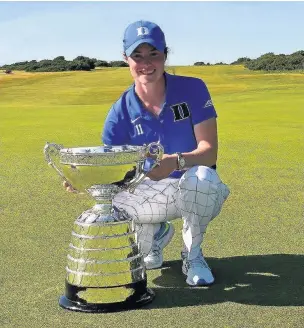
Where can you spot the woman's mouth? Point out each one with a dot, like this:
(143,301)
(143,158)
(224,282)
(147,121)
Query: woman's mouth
(150,72)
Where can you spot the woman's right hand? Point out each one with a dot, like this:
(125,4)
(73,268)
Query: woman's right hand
(68,187)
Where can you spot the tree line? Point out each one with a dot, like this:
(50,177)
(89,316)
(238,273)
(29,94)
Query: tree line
(60,64)
(269,62)
(266,62)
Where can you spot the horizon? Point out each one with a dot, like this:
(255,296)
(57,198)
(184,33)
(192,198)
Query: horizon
(70,29)
(193,64)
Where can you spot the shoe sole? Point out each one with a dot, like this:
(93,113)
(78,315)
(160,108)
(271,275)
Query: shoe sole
(200,283)
(155,266)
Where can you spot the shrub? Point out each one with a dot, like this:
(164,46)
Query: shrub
(118,63)
(101,63)
(281,62)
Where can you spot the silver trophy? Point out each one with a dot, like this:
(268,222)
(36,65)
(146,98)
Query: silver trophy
(105,269)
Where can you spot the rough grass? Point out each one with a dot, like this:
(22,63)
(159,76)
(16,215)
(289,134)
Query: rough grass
(255,246)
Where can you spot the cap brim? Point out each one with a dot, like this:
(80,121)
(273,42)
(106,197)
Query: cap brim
(152,42)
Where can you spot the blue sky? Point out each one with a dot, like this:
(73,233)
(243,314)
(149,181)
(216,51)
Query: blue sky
(195,31)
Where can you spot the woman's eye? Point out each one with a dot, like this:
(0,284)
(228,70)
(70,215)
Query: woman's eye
(136,56)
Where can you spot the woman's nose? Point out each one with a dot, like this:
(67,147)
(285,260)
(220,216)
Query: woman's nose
(146,60)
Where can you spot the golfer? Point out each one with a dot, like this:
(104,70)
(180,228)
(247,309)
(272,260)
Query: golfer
(177,112)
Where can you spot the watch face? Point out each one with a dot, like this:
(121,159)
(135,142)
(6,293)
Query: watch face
(182,163)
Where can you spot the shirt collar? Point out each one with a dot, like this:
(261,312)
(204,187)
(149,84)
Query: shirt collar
(135,104)
(168,79)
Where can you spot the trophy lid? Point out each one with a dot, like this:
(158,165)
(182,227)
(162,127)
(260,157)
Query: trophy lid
(102,155)
(101,150)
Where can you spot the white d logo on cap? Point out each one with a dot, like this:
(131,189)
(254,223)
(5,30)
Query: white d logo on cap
(142,31)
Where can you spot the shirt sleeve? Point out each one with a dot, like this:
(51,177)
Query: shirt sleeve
(115,133)
(203,108)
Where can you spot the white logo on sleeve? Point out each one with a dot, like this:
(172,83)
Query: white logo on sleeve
(139,129)
(208,103)
(142,31)
(137,118)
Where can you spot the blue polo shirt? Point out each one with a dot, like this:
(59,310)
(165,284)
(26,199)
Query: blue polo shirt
(187,103)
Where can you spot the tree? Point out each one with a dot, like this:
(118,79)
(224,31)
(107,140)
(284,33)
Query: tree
(101,63)
(241,61)
(89,61)
(59,58)
(118,63)
(281,62)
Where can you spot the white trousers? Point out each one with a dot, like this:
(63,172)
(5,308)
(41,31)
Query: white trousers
(197,197)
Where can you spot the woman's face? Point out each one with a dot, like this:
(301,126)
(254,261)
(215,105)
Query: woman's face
(146,64)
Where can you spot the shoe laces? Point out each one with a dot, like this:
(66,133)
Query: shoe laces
(155,250)
(199,261)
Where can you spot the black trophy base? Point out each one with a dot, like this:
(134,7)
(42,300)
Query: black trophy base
(140,297)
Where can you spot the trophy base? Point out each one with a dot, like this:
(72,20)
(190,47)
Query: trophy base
(140,296)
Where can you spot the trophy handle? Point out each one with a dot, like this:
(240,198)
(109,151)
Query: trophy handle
(52,149)
(153,149)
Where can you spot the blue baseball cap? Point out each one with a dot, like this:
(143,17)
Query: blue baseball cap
(143,32)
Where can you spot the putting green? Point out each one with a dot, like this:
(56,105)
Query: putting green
(255,246)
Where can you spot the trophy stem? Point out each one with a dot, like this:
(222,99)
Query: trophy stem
(103,208)
(103,194)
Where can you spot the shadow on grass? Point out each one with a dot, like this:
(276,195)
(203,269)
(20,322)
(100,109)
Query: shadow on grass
(269,280)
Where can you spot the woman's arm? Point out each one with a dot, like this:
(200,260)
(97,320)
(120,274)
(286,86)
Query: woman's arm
(207,144)
(205,153)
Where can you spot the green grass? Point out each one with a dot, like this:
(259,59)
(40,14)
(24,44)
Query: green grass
(255,246)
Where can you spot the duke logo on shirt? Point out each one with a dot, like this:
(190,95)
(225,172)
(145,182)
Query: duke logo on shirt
(181,111)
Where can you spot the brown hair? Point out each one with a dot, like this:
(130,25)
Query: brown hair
(166,51)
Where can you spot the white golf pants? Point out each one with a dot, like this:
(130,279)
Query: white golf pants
(197,197)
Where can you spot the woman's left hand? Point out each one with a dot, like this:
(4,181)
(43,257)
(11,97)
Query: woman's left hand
(167,165)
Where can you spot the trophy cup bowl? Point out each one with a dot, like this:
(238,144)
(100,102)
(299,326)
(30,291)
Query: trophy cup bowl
(105,269)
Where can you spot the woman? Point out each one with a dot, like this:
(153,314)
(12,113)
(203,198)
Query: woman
(177,112)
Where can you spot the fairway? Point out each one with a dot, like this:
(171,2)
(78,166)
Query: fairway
(255,246)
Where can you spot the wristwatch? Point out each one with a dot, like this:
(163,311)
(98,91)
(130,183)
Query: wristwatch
(181,162)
